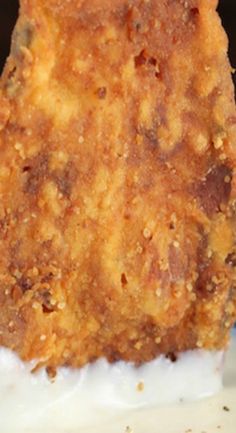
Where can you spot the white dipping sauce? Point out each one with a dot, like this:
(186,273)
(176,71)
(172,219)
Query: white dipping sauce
(32,403)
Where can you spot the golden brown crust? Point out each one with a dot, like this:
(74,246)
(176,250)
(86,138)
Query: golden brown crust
(117,181)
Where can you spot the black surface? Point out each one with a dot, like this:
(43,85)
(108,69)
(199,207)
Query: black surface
(8,16)
(9,8)
(227,10)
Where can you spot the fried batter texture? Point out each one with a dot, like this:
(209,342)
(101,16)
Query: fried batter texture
(117,181)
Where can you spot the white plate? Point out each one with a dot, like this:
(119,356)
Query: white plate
(216,414)
(212,415)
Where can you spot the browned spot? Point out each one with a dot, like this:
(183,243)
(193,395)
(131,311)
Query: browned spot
(102,92)
(177,263)
(149,329)
(65,179)
(26,168)
(37,173)
(214,190)
(152,61)
(112,354)
(123,279)
(10,81)
(140,59)
(190,16)
(25,284)
(172,356)
(143,59)
(51,372)
(231,259)
(194,12)
(151,136)
(205,286)
(47,277)
(45,299)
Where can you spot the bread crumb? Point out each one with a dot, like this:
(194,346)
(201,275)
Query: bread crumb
(189,287)
(140,386)
(218,139)
(52,373)
(138,345)
(199,344)
(147,233)
(227,179)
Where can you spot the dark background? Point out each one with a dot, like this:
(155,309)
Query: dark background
(8,15)
(227,10)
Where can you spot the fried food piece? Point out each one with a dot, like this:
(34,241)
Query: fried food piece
(117,181)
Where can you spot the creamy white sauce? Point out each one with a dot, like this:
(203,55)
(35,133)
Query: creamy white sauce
(32,403)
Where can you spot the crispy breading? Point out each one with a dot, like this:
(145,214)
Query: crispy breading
(117,181)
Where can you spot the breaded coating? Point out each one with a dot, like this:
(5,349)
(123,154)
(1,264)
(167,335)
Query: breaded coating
(117,181)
